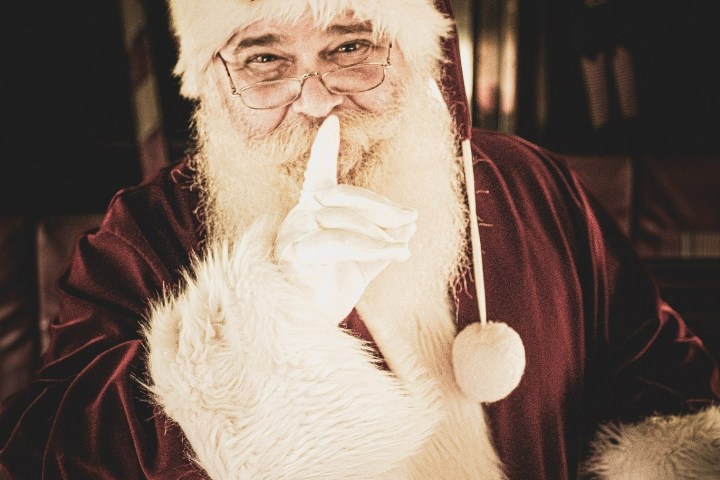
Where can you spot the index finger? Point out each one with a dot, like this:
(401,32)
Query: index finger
(321,171)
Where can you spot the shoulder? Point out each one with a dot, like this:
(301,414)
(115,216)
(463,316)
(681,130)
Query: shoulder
(524,168)
(172,187)
(166,204)
(512,154)
(155,223)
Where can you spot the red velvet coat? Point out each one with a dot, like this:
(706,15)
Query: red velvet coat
(600,344)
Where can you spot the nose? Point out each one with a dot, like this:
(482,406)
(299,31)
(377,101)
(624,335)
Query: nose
(316,100)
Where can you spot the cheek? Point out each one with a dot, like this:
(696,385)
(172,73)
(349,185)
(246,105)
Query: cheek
(377,100)
(384,97)
(246,120)
(258,123)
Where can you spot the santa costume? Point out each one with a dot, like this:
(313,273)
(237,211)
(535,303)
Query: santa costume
(182,354)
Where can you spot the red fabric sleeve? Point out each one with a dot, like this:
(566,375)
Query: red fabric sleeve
(87,415)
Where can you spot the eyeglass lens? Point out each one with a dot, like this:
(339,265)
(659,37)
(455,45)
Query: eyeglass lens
(346,80)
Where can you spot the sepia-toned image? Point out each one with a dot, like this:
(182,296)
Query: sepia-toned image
(360,240)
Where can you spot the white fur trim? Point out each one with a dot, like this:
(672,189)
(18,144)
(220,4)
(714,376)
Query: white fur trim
(203,27)
(461,447)
(681,447)
(264,389)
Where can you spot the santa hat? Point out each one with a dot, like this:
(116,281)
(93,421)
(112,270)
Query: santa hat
(488,357)
(203,27)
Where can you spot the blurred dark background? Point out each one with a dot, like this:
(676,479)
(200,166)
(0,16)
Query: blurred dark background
(626,90)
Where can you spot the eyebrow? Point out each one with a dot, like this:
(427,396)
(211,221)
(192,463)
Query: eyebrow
(273,38)
(360,27)
(259,41)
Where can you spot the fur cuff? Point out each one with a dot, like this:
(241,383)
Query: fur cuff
(264,389)
(660,448)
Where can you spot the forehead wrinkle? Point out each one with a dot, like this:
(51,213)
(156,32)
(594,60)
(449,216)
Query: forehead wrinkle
(283,33)
(259,41)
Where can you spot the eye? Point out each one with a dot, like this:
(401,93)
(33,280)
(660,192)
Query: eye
(351,47)
(264,66)
(261,59)
(348,53)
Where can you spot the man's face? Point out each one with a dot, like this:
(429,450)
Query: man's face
(393,138)
(270,50)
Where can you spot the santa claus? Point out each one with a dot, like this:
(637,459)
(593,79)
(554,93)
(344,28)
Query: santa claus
(306,296)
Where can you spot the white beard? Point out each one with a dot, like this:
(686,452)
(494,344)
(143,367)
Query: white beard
(406,154)
(409,156)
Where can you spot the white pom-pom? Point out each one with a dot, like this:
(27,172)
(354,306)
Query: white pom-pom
(489,360)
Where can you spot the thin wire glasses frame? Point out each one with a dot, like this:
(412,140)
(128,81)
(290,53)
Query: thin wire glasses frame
(235,92)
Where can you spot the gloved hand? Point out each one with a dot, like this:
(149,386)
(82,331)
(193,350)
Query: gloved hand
(339,237)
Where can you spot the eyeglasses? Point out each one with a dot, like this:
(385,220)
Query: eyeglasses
(347,80)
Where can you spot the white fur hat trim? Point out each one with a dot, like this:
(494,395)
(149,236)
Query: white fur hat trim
(203,27)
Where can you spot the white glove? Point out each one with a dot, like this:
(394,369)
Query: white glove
(338,238)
